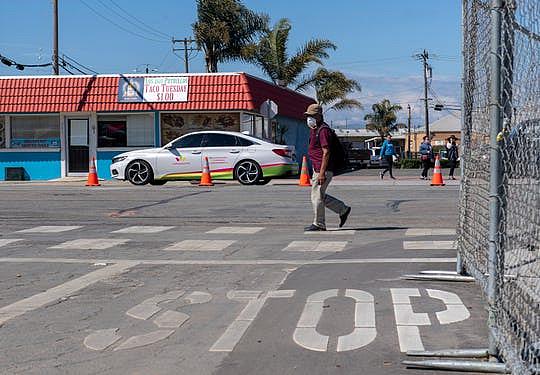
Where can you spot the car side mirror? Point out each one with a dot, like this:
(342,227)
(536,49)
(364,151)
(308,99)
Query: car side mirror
(168,147)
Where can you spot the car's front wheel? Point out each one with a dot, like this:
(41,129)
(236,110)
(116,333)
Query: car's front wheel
(248,172)
(139,172)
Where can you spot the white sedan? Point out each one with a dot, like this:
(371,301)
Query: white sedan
(231,156)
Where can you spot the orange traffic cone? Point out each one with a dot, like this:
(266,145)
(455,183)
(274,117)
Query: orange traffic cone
(92,175)
(206,178)
(437,179)
(304,174)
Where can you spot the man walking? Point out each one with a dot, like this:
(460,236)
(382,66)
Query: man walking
(387,154)
(323,170)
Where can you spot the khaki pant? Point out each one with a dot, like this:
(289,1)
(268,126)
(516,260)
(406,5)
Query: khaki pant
(320,200)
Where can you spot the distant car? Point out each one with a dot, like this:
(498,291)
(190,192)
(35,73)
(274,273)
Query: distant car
(231,156)
(375,159)
(357,155)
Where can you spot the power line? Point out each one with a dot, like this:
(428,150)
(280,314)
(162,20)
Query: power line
(164,59)
(67,70)
(10,62)
(448,110)
(108,8)
(369,62)
(64,56)
(187,50)
(119,26)
(150,28)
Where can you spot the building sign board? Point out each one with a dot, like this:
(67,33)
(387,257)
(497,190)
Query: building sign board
(152,89)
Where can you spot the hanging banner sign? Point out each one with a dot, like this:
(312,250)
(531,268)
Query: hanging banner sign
(153,89)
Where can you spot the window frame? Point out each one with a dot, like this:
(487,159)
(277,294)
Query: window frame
(107,122)
(230,136)
(8,130)
(202,135)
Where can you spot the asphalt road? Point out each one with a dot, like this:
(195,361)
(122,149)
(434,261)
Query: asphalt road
(186,280)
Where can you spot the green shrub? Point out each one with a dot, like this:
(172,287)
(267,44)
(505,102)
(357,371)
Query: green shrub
(439,148)
(410,163)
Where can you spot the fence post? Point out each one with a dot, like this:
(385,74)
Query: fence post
(495,171)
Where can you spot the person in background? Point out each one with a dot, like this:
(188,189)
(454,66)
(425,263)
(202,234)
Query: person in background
(426,156)
(387,154)
(452,154)
(323,171)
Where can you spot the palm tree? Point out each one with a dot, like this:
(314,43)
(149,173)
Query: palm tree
(224,28)
(383,118)
(271,54)
(331,89)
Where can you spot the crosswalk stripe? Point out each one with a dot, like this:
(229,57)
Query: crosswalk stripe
(200,245)
(50,229)
(321,246)
(417,232)
(235,230)
(331,232)
(90,244)
(7,241)
(429,245)
(142,229)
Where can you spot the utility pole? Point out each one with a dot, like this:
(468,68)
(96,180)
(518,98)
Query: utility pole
(186,49)
(55,38)
(409,131)
(424,57)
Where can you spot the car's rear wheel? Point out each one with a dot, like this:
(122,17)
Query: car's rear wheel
(158,182)
(248,172)
(139,172)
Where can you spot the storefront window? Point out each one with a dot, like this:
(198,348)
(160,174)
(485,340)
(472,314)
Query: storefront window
(2,132)
(174,125)
(35,131)
(125,131)
(255,125)
(112,134)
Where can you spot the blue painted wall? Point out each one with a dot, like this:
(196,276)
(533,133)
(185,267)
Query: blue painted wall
(104,163)
(297,135)
(37,165)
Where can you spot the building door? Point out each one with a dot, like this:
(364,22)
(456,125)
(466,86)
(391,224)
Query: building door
(78,146)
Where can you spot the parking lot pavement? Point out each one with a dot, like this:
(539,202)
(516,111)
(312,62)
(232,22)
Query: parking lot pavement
(181,279)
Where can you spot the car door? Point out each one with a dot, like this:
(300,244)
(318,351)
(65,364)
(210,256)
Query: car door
(183,159)
(222,151)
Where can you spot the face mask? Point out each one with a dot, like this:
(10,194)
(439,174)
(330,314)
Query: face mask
(311,122)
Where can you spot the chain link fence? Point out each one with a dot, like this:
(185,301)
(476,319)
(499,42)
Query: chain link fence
(501,177)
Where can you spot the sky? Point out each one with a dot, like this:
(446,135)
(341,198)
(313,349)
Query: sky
(376,42)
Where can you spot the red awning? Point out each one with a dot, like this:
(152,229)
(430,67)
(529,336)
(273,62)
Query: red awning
(207,92)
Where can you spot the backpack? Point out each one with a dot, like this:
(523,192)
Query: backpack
(338,157)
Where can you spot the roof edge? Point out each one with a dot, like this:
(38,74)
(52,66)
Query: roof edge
(273,84)
(123,75)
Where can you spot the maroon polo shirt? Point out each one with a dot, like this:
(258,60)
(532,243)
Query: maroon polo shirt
(316,144)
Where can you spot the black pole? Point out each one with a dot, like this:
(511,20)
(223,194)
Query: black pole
(186,59)
(425,57)
(55,38)
(409,132)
